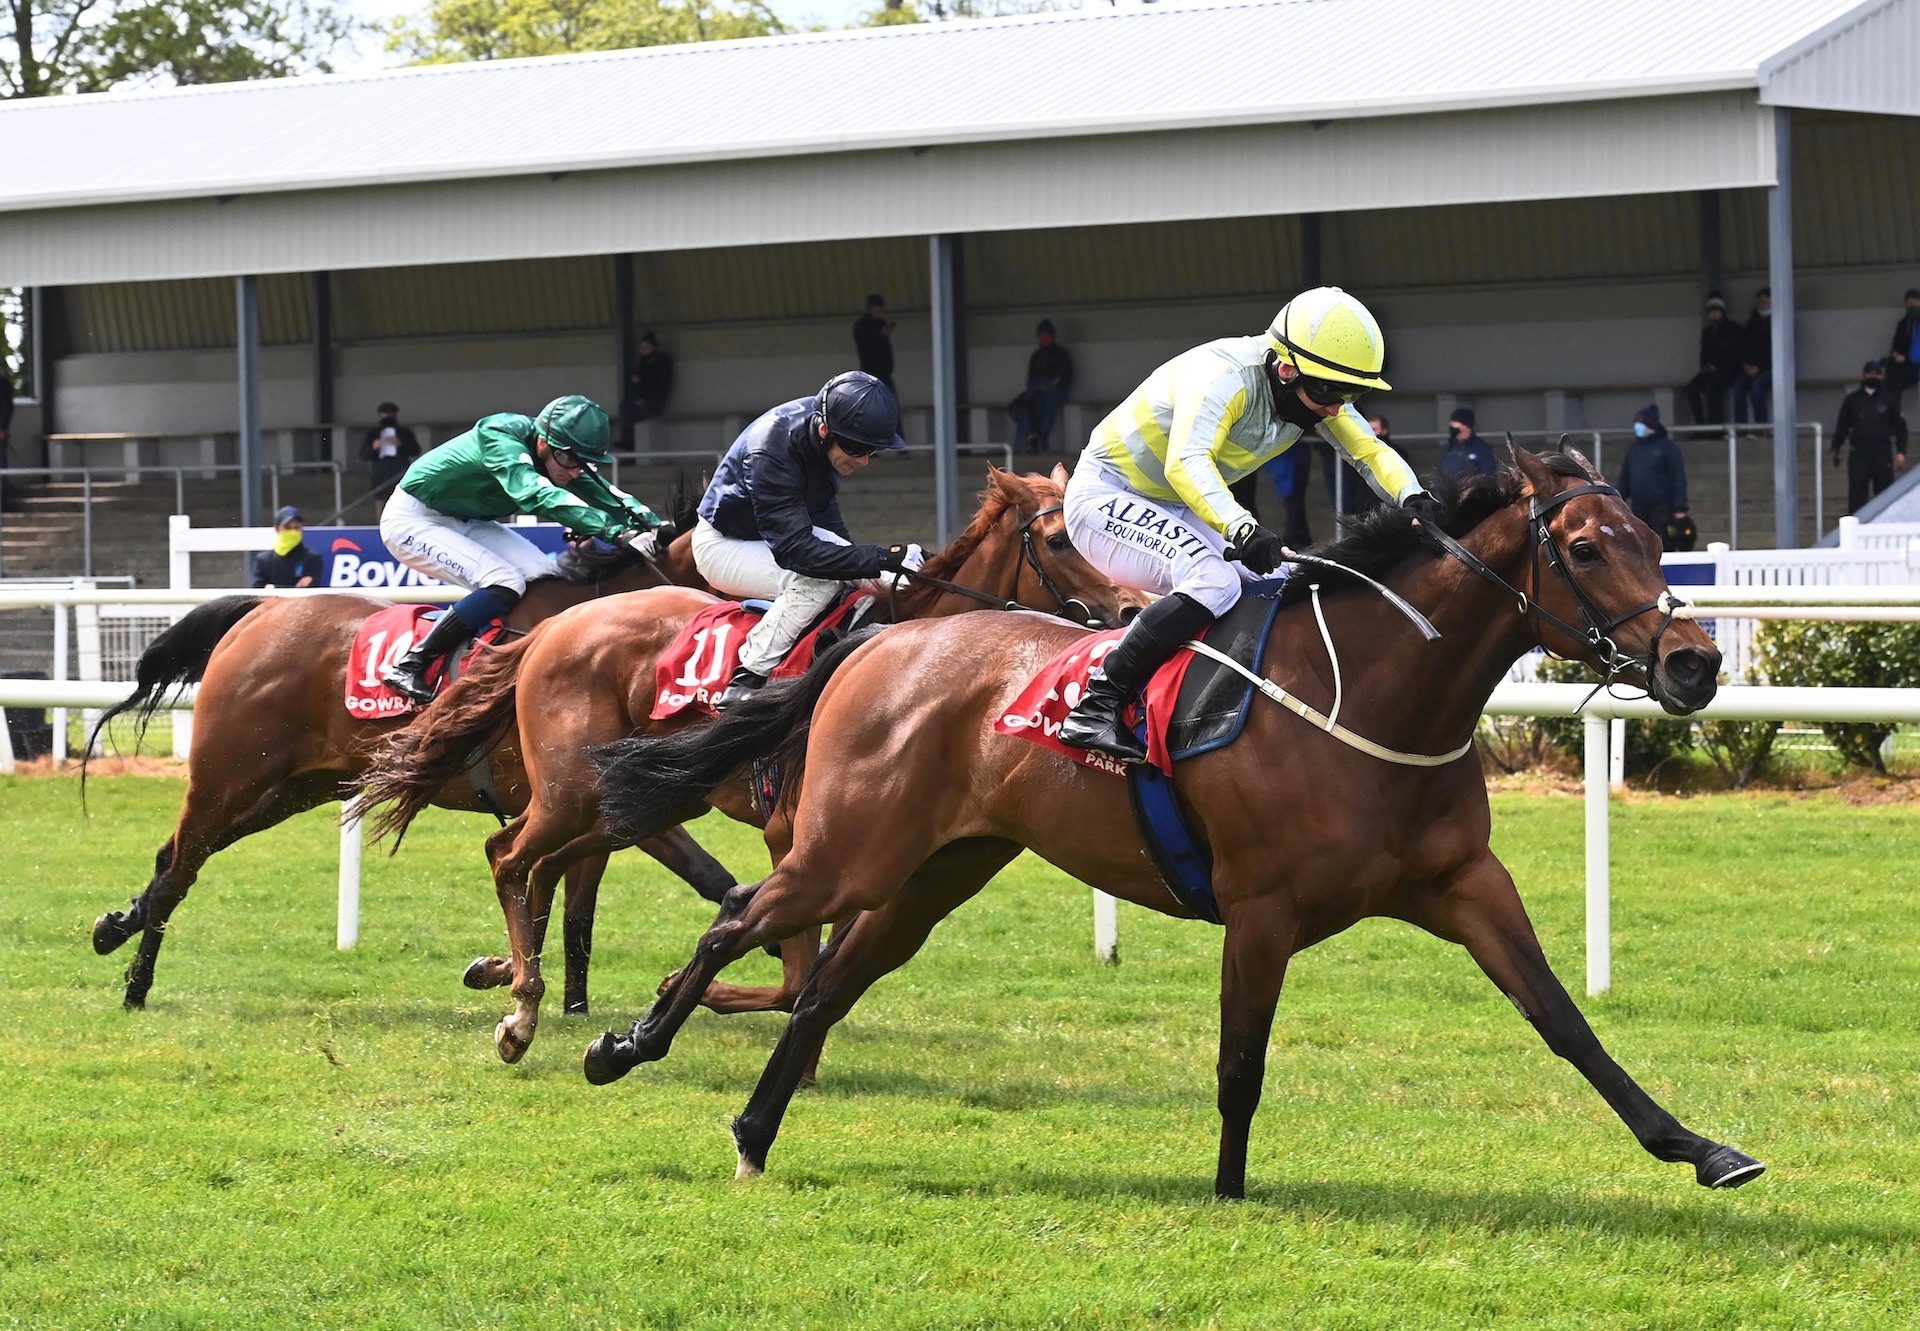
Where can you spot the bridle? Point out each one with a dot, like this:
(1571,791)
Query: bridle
(1070,608)
(1596,629)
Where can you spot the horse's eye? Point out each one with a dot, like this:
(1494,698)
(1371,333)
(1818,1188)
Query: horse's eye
(1586,552)
(1058,542)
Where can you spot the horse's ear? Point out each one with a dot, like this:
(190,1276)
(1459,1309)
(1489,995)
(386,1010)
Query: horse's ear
(1059,475)
(1539,478)
(1593,472)
(1012,486)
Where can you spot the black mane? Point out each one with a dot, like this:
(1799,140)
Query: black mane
(1375,542)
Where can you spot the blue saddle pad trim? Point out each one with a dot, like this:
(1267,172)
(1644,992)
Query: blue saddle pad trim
(1185,866)
(755,603)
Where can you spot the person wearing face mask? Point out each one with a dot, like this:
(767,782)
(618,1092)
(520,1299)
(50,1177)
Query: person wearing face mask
(389,448)
(291,563)
(1653,479)
(1903,358)
(1149,503)
(1720,341)
(1870,421)
(1753,385)
(447,519)
(1467,453)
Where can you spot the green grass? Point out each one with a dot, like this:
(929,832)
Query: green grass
(1005,1134)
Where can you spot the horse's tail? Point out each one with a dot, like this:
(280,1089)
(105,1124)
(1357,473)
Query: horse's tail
(442,742)
(646,782)
(178,656)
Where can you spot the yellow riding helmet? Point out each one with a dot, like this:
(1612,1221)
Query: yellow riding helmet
(1327,334)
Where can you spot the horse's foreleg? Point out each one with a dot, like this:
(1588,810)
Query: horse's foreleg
(583,897)
(511,853)
(1482,911)
(796,963)
(877,942)
(1253,965)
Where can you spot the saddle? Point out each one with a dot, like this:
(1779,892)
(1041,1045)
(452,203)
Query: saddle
(694,670)
(382,639)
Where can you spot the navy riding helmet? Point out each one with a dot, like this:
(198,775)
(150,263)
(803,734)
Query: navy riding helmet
(861,412)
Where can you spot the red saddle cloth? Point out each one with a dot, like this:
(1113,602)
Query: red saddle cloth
(1038,713)
(383,638)
(695,669)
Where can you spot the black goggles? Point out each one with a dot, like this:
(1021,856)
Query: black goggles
(566,457)
(853,448)
(1328,392)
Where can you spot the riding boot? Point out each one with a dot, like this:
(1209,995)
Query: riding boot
(408,675)
(1096,722)
(742,686)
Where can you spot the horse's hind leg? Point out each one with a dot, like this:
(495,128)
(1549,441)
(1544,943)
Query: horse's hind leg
(582,900)
(874,944)
(686,859)
(207,825)
(1482,910)
(528,857)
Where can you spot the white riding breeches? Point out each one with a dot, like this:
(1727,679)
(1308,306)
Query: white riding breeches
(470,553)
(747,569)
(1146,544)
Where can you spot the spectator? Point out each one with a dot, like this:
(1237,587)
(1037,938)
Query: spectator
(1903,360)
(1719,365)
(871,338)
(1870,420)
(650,382)
(1289,473)
(1653,479)
(389,447)
(1467,453)
(1049,376)
(1753,386)
(290,563)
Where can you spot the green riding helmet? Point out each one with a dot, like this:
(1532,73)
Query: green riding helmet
(578,425)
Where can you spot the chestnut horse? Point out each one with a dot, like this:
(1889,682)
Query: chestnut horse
(910,802)
(587,677)
(273,737)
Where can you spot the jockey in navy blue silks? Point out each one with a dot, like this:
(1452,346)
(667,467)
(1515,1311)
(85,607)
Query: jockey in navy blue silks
(770,524)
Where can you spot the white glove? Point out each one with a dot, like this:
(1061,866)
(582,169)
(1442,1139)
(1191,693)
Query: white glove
(646,543)
(911,558)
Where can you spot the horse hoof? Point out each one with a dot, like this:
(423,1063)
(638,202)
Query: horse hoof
(666,984)
(510,1043)
(480,974)
(575,1007)
(134,1003)
(746,1169)
(109,932)
(605,1061)
(1725,1167)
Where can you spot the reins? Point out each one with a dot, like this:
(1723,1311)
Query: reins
(1066,604)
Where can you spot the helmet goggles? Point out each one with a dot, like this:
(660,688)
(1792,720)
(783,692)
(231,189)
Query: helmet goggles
(1328,392)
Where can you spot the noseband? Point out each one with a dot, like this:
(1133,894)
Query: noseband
(1596,628)
(1069,607)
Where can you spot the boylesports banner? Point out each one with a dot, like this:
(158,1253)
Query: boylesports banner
(355,557)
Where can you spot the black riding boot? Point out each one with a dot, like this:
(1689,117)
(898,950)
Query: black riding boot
(742,686)
(1156,635)
(408,675)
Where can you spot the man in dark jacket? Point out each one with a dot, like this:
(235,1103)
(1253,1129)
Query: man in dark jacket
(1720,343)
(650,382)
(873,341)
(1903,357)
(1753,386)
(1653,479)
(1870,420)
(389,448)
(1467,453)
(291,562)
(1049,377)
(770,524)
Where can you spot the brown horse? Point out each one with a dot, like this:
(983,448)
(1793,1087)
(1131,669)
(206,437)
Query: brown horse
(587,677)
(272,738)
(911,802)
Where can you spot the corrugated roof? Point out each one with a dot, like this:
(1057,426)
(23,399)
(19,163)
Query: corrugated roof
(1092,72)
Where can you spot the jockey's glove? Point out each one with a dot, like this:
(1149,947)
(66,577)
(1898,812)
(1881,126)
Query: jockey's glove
(903,558)
(1428,518)
(1257,548)
(644,543)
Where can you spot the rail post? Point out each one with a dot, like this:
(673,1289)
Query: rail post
(347,930)
(1599,897)
(1106,928)
(86,523)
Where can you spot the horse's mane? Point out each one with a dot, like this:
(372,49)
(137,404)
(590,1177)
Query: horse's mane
(994,504)
(1375,542)
(583,565)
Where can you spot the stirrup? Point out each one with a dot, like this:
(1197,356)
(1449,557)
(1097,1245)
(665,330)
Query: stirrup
(1100,727)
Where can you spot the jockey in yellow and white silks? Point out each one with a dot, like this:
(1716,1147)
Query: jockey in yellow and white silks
(1149,503)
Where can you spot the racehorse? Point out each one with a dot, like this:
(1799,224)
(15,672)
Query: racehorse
(273,737)
(587,677)
(908,801)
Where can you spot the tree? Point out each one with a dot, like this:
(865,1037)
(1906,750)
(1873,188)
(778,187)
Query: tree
(63,46)
(456,30)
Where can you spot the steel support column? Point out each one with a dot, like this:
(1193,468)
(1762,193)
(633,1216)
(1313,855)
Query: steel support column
(1786,407)
(626,348)
(1711,268)
(942,269)
(246,305)
(1312,251)
(323,403)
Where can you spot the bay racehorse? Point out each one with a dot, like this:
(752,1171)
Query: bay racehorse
(908,801)
(272,736)
(587,677)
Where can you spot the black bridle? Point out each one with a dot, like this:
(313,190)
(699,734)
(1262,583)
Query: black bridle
(1597,628)
(1068,605)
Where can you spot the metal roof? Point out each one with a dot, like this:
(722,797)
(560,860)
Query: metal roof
(1093,72)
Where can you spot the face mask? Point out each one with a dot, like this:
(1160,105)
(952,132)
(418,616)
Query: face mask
(1869,384)
(1289,408)
(285,542)
(1641,429)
